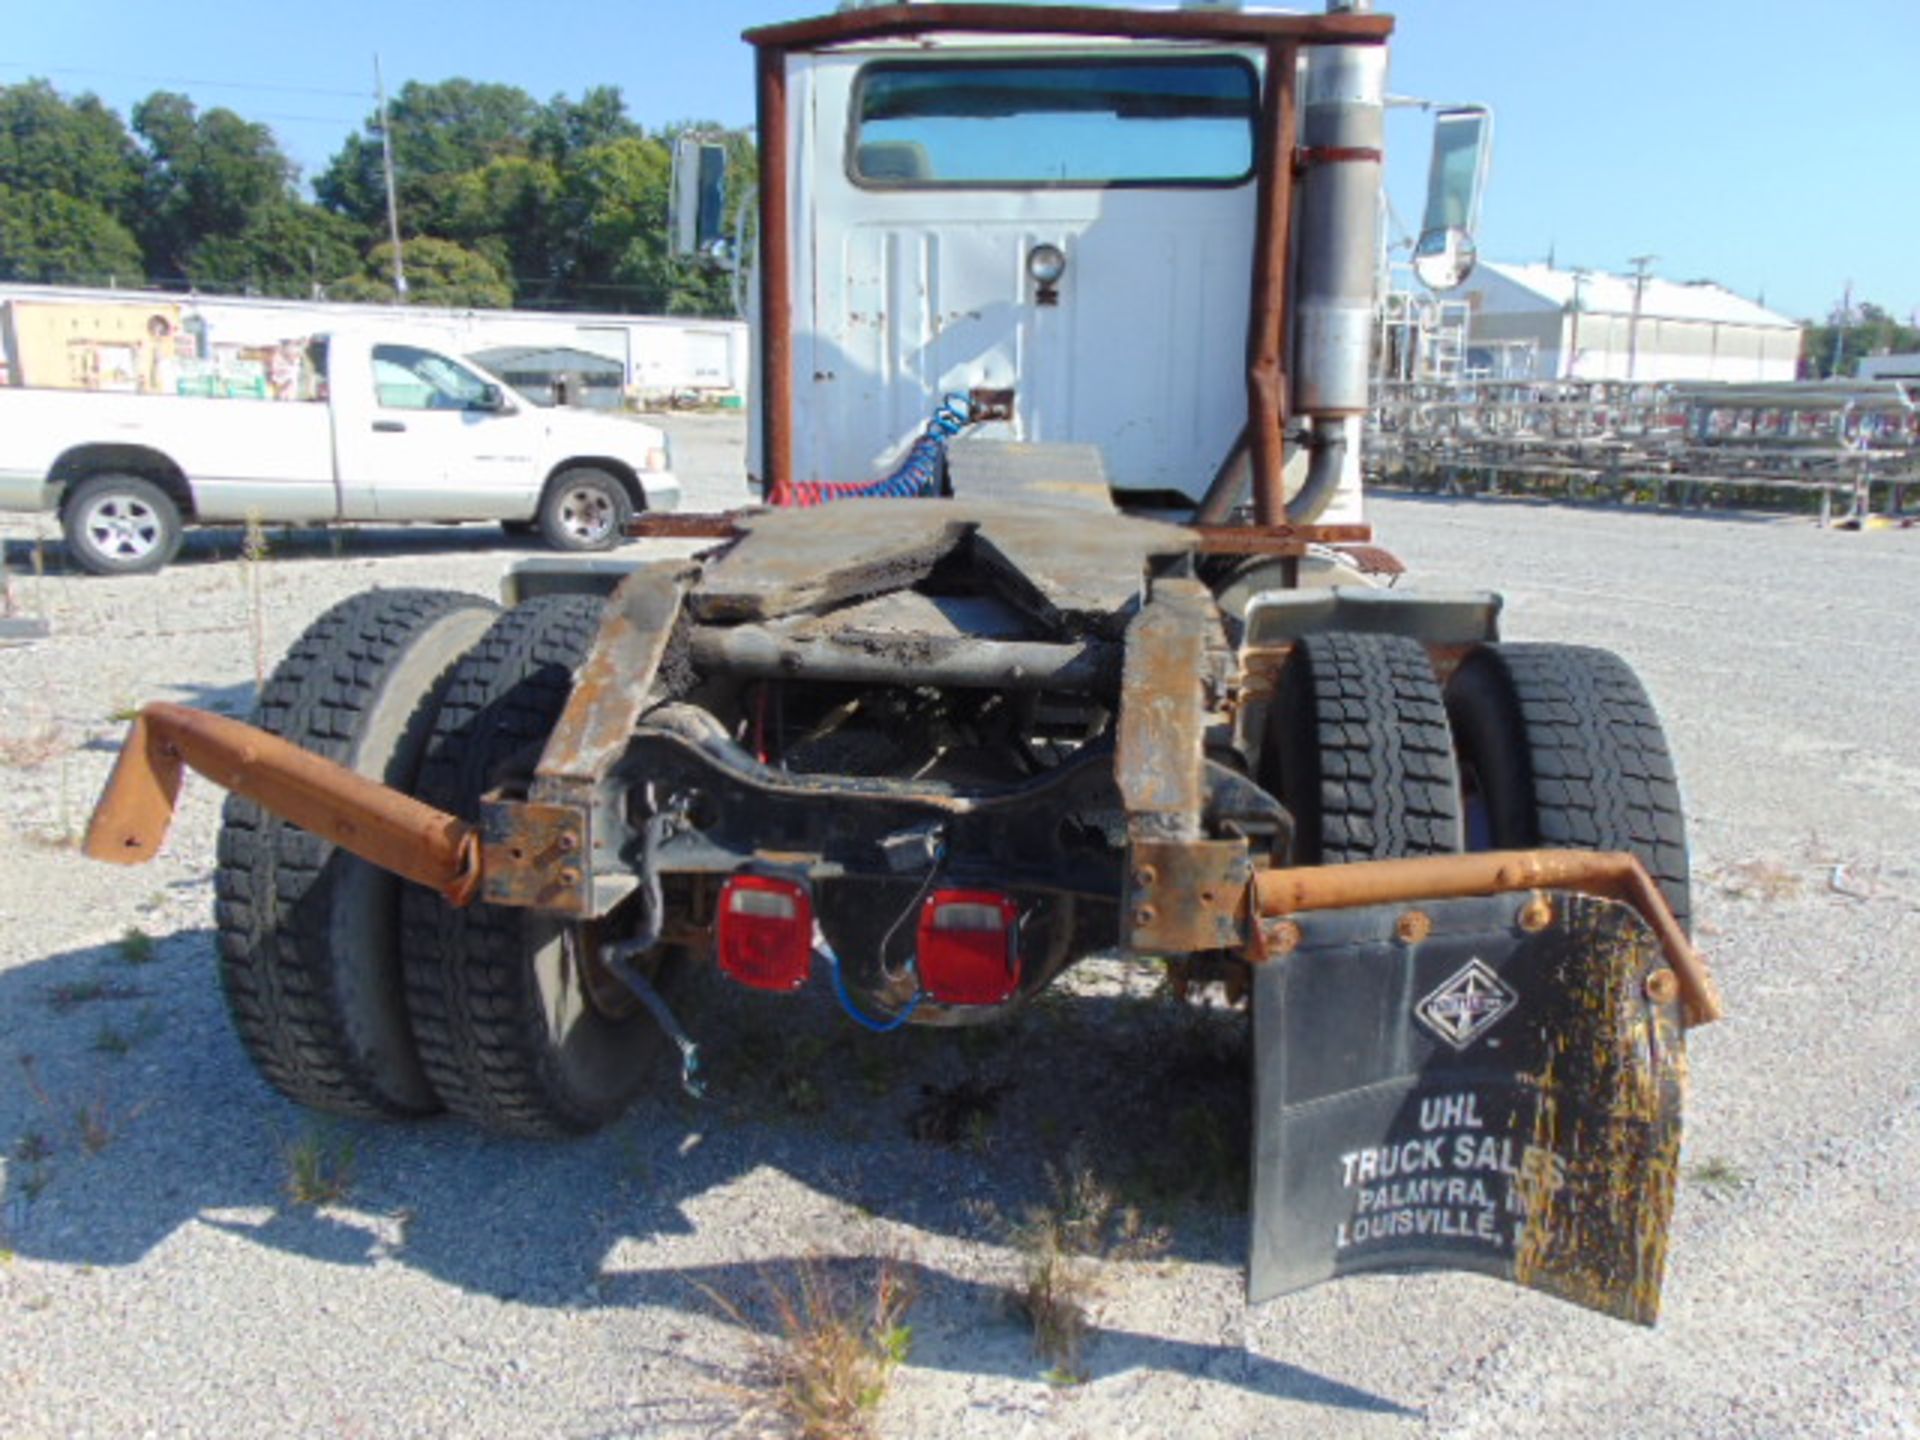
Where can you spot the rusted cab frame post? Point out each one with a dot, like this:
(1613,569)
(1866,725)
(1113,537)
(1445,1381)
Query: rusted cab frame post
(1267,311)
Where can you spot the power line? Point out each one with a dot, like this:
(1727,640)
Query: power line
(181,80)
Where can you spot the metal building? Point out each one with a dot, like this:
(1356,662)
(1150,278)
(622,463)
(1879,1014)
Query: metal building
(1541,323)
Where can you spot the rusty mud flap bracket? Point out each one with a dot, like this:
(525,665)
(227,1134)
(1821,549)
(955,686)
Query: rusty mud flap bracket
(1497,1088)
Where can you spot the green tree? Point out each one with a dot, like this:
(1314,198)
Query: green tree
(439,132)
(613,219)
(288,249)
(50,238)
(207,175)
(566,202)
(1867,329)
(439,272)
(566,127)
(78,148)
(506,211)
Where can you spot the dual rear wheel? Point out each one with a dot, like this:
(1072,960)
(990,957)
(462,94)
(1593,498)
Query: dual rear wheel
(1527,745)
(357,994)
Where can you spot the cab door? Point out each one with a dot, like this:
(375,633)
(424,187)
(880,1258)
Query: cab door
(943,187)
(439,442)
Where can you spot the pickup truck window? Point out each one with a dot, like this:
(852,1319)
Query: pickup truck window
(407,378)
(1073,121)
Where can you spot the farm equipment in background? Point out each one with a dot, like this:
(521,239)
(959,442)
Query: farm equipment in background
(942,749)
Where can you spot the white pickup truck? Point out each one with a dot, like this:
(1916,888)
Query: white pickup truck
(397,431)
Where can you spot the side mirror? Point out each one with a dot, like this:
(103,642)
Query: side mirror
(696,199)
(492,397)
(1462,145)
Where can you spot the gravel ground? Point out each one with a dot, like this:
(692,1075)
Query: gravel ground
(159,1281)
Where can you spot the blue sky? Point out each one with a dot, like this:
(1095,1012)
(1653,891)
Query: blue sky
(1768,146)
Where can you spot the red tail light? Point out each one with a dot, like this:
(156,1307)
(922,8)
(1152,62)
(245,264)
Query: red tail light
(969,947)
(765,932)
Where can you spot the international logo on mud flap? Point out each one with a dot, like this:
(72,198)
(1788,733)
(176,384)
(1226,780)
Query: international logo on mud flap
(1466,1005)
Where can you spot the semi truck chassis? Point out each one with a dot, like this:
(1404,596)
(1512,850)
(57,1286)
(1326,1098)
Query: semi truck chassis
(939,752)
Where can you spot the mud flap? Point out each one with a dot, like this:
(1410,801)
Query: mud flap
(1483,1097)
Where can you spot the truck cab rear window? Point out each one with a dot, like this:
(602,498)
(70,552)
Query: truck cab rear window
(1078,121)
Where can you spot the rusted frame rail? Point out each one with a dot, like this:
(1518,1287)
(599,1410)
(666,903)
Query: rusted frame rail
(432,848)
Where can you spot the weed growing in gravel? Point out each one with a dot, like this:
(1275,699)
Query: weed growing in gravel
(879,1071)
(97,1124)
(31,751)
(958,1114)
(800,1093)
(64,832)
(110,1039)
(1197,1158)
(136,946)
(1761,879)
(1717,1173)
(1059,1245)
(839,1338)
(69,994)
(253,549)
(319,1166)
(32,1153)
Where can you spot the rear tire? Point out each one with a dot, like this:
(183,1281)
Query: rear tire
(502,1000)
(1560,746)
(1358,751)
(120,525)
(309,951)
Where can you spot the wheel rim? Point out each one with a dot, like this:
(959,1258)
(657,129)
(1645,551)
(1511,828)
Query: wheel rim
(123,526)
(587,514)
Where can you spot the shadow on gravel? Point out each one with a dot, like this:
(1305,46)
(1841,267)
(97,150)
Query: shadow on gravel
(128,1113)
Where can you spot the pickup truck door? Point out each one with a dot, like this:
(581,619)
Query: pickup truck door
(438,442)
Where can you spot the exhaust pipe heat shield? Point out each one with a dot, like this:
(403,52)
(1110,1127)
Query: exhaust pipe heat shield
(1473,1084)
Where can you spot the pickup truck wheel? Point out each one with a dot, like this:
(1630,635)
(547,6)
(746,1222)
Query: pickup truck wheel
(120,525)
(1358,751)
(585,509)
(309,948)
(1560,746)
(518,1027)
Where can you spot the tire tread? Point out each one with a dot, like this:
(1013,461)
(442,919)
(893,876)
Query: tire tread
(470,996)
(271,877)
(1375,762)
(1598,772)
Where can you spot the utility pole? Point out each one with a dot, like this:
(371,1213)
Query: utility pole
(1640,264)
(1573,340)
(1840,331)
(393,203)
